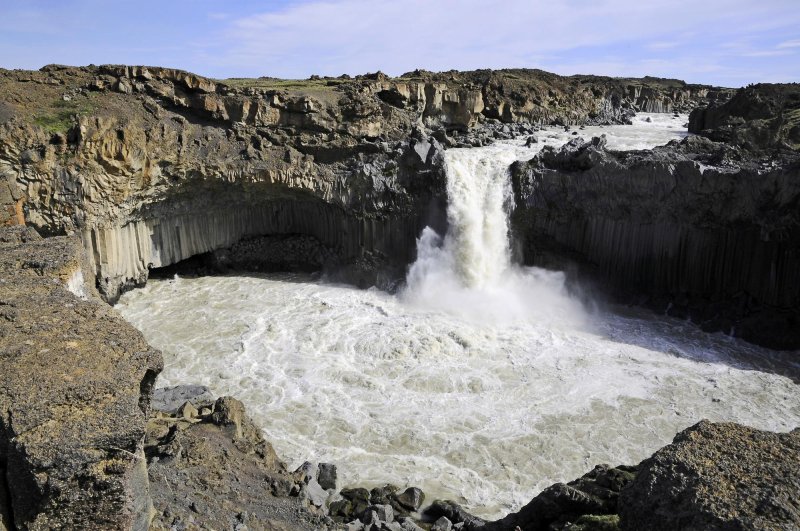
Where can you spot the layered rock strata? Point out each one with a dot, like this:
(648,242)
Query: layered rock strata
(151,166)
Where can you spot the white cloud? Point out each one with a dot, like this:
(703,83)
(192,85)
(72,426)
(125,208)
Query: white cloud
(790,44)
(355,36)
(767,53)
(663,45)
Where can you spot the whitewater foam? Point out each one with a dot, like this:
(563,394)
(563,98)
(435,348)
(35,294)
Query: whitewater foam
(481,382)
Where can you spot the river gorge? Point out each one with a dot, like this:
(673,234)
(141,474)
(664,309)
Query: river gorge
(256,303)
(480,380)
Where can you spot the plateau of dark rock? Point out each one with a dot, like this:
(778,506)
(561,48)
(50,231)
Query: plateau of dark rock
(701,229)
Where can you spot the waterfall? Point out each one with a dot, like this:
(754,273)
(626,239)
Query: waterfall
(469,271)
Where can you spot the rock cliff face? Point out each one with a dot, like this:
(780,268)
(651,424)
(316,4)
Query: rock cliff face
(757,117)
(717,476)
(151,166)
(703,229)
(75,383)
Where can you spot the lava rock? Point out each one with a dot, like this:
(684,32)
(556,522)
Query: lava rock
(442,524)
(453,512)
(359,499)
(411,499)
(326,476)
(717,476)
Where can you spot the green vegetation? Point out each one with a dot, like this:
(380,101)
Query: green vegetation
(271,83)
(595,522)
(59,117)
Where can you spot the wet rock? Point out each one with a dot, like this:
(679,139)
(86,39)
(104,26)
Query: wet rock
(327,476)
(410,499)
(596,493)
(715,477)
(453,512)
(383,495)
(359,499)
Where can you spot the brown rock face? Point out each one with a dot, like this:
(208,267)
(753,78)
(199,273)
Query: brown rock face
(717,477)
(74,391)
(757,117)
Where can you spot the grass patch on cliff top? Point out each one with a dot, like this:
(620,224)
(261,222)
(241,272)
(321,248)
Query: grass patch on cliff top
(270,83)
(60,115)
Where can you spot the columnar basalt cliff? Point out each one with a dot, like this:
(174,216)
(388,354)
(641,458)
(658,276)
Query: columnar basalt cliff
(704,229)
(151,166)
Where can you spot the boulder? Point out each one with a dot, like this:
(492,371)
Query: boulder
(717,477)
(169,399)
(326,476)
(453,512)
(442,524)
(410,499)
(594,494)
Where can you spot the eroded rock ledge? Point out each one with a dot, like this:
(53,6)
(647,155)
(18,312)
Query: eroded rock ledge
(75,383)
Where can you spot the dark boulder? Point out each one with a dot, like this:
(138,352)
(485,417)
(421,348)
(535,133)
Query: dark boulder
(717,477)
(595,494)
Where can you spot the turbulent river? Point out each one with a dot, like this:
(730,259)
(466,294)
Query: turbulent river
(480,381)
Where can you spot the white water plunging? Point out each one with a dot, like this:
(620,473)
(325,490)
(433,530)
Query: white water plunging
(473,390)
(470,273)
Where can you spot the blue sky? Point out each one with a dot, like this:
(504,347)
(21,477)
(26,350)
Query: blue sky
(723,42)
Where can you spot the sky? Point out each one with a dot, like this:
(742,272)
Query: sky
(721,42)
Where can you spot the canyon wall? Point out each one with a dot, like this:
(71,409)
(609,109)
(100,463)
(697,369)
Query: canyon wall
(130,168)
(699,237)
(151,166)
